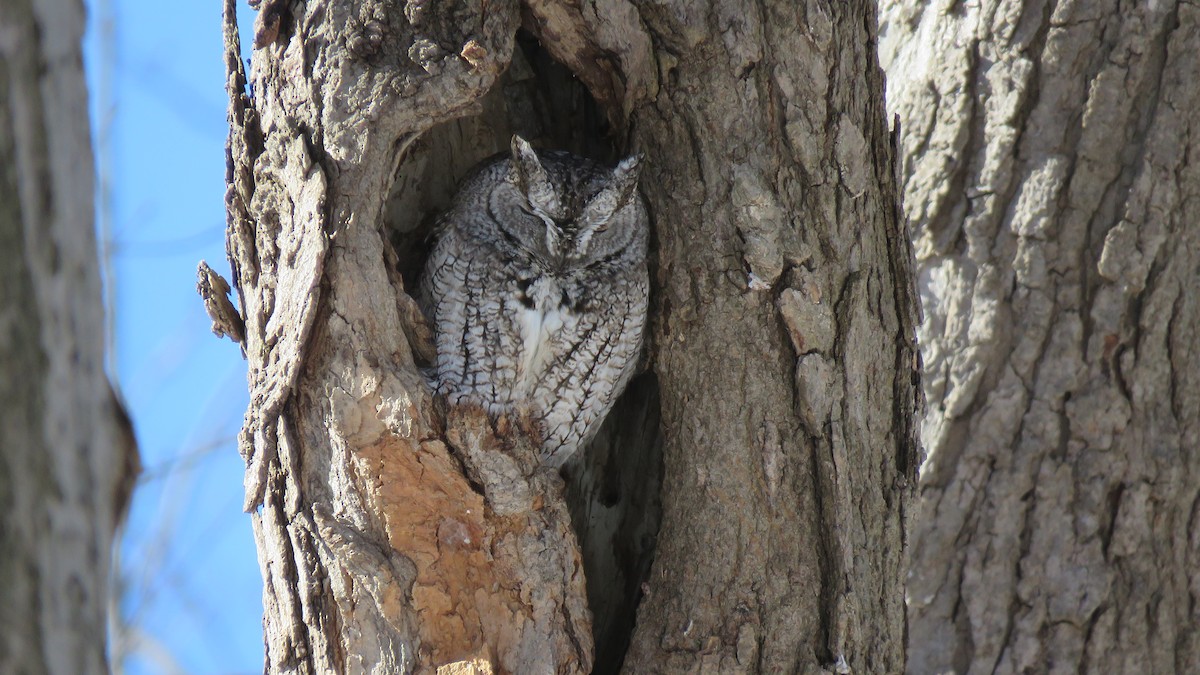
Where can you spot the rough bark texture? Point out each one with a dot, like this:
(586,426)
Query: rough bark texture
(781,340)
(66,448)
(381,549)
(1051,177)
(781,358)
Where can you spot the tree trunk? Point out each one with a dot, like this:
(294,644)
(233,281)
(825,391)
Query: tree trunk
(67,458)
(1051,177)
(780,385)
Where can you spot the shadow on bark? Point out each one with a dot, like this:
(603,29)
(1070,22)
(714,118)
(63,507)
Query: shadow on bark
(613,496)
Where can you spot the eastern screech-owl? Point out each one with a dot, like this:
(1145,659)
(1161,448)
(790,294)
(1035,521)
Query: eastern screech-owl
(537,290)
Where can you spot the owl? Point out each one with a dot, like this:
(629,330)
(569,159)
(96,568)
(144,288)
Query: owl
(537,290)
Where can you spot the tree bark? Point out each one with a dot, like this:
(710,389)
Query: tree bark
(1051,180)
(782,336)
(67,460)
(781,381)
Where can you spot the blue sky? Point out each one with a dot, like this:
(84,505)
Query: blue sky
(192,592)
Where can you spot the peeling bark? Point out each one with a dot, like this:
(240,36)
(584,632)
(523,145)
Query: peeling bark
(67,458)
(1050,168)
(397,536)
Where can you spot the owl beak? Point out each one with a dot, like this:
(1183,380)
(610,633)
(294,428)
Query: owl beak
(579,244)
(554,245)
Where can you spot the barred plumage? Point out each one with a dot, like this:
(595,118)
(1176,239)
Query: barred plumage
(537,290)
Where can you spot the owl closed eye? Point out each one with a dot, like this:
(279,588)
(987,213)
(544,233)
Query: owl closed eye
(537,289)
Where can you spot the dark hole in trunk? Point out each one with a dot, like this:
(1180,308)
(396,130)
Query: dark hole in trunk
(612,486)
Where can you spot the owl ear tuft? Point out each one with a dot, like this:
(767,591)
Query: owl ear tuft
(526,163)
(621,187)
(530,176)
(625,176)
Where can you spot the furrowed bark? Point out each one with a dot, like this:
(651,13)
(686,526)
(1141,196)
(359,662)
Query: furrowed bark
(1051,178)
(782,340)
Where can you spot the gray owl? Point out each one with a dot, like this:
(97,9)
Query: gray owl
(537,290)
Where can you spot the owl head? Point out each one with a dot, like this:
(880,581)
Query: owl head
(572,211)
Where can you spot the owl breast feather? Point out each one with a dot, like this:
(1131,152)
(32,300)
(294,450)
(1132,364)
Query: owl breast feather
(535,314)
(541,316)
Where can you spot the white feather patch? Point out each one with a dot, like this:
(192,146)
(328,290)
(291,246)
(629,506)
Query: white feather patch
(539,325)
